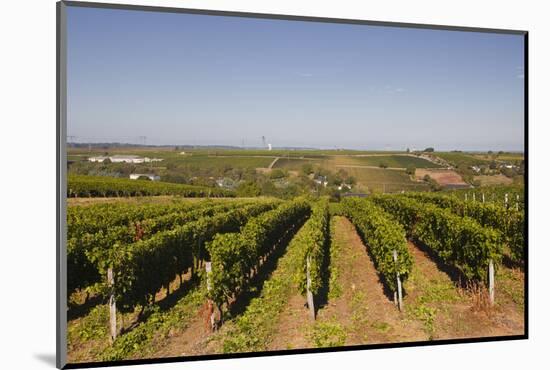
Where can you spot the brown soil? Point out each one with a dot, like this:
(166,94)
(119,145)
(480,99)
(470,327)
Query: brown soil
(294,324)
(442,177)
(458,312)
(191,341)
(363,309)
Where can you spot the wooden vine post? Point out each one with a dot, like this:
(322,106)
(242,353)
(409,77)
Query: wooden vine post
(491,283)
(517,202)
(309,294)
(112,304)
(474,197)
(506,200)
(482,197)
(208,268)
(399,287)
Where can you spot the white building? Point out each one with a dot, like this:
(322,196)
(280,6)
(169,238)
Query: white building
(127,159)
(321,180)
(124,159)
(97,159)
(152,177)
(344,186)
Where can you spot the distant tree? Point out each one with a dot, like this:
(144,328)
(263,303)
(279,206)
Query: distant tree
(411,170)
(408,150)
(493,165)
(509,172)
(429,150)
(248,189)
(336,181)
(307,169)
(490,152)
(267,188)
(383,165)
(434,186)
(277,174)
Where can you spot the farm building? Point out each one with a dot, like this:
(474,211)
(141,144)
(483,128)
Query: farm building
(150,176)
(321,180)
(344,186)
(226,183)
(97,159)
(124,159)
(127,159)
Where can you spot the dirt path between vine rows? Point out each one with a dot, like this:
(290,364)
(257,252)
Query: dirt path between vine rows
(450,312)
(361,313)
(188,342)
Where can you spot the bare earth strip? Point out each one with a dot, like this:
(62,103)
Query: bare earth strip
(449,312)
(363,309)
(375,167)
(294,324)
(189,341)
(361,313)
(442,176)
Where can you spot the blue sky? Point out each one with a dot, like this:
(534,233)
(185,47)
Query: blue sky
(197,79)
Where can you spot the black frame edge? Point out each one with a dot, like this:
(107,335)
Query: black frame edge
(287,17)
(61,184)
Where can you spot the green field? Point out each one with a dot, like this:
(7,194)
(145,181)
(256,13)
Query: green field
(396,161)
(297,164)
(383,180)
(104,186)
(461,159)
(377,179)
(221,161)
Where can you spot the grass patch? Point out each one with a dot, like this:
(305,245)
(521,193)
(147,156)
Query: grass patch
(511,283)
(381,326)
(328,334)
(427,315)
(431,292)
(335,289)
(396,161)
(157,326)
(254,330)
(93,326)
(461,159)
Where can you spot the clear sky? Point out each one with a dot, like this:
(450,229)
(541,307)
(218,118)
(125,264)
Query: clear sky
(198,79)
